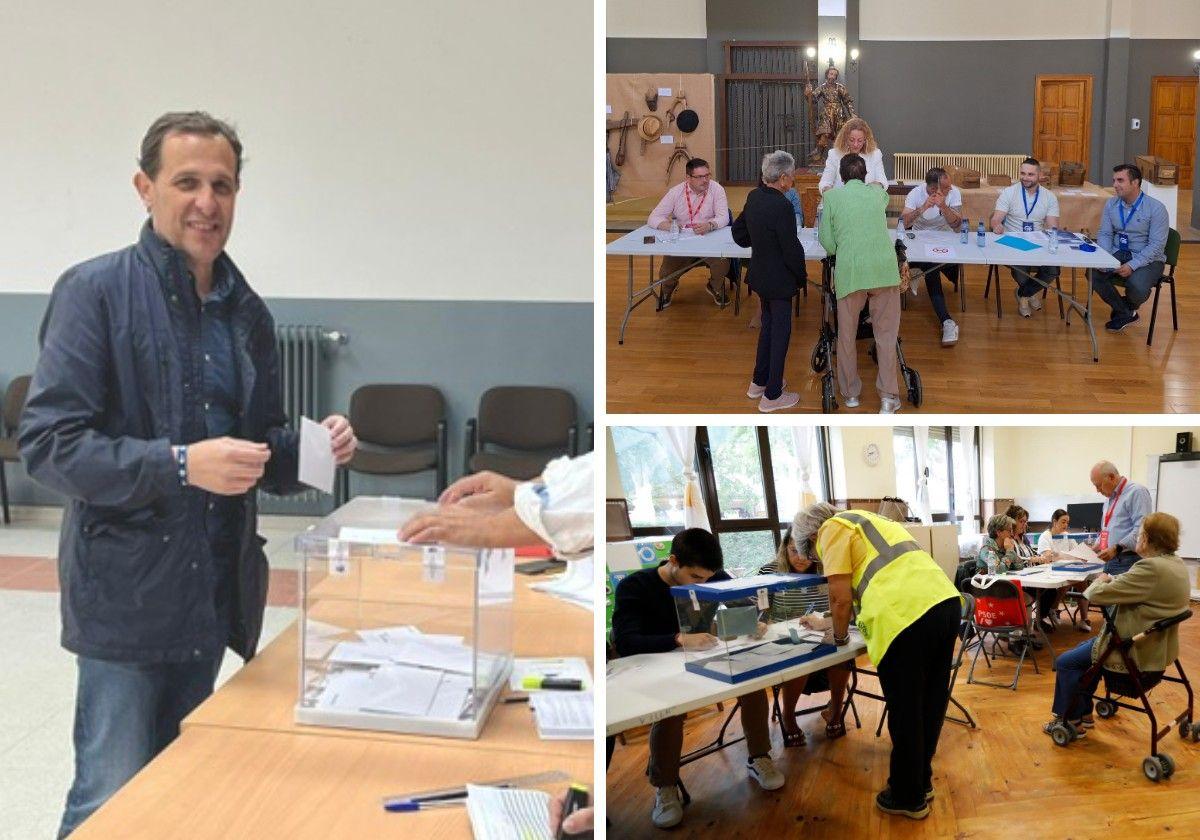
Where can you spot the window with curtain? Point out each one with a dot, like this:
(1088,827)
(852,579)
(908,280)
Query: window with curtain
(945,458)
(649,474)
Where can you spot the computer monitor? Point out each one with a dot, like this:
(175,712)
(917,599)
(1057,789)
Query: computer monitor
(1086,517)
(617,520)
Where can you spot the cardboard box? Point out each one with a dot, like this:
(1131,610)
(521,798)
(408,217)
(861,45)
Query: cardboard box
(1156,170)
(1070,173)
(998,179)
(962,177)
(944,540)
(1049,174)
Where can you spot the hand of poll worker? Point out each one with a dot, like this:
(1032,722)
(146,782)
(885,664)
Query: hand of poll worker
(1123,270)
(458,525)
(695,641)
(1009,544)
(482,491)
(1104,577)
(341,438)
(816,622)
(760,630)
(582,820)
(664,225)
(998,229)
(1108,553)
(830,639)
(226,466)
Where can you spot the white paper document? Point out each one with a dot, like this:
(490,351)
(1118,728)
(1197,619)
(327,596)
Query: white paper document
(567,668)
(575,585)
(508,813)
(317,467)
(1082,552)
(564,715)
(400,690)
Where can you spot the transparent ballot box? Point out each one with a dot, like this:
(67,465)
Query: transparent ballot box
(755,622)
(400,637)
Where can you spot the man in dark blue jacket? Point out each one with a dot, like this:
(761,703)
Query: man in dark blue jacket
(155,410)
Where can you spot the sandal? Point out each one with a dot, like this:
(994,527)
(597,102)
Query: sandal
(833,729)
(794,739)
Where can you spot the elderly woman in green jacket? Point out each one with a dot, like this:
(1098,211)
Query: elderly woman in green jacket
(998,553)
(1154,588)
(854,227)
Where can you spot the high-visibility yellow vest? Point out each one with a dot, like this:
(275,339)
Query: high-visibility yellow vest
(893,580)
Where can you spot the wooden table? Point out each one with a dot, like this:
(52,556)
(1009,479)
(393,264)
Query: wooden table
(243,768)
(229,783)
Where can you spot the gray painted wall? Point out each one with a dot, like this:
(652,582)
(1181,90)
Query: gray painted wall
(730,20)
(463,348)
(656,55)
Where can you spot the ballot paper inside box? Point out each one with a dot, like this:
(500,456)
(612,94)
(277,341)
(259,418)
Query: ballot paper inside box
(400,637)
(755,623)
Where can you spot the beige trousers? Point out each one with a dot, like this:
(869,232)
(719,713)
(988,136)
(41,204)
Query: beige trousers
(884,305)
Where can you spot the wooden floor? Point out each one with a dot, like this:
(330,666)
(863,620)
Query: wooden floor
(695,357)
(1005,779)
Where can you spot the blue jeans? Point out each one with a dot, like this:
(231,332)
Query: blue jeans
(1071,667)
(1137,288)
(1121,564)
(125,714)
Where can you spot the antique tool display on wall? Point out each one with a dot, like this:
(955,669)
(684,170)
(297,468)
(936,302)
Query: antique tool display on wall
(622,125)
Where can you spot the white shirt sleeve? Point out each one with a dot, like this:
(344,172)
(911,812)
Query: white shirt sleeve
(1004,200)
(955,198)
(875,171)
(915,198)
(559,507)
(829,178)
(1052,205)
(1045,542)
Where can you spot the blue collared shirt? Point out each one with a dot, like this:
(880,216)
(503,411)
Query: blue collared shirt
(1127,514)
(794,197)
(1147,229)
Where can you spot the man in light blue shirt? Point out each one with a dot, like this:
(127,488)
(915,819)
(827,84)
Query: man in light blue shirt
(1133,229)
(1126,504)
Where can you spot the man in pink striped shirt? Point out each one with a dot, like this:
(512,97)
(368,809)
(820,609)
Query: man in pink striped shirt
(697,205)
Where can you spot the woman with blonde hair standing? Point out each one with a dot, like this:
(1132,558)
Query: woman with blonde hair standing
(855,137)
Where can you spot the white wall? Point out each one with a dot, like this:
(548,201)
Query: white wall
(656,19)
(863,481)
(1166,19)
(394,150)
(612,474)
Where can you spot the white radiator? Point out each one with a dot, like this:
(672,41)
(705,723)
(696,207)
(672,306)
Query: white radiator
(912,166)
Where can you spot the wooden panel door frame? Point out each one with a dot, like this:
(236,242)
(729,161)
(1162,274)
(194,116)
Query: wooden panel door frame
(1087,110)
(1150,140)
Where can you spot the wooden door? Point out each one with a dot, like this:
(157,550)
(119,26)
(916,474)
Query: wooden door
(1173,123)
(1062,118)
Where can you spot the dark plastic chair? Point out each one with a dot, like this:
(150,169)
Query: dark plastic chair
(1172,259)
(10,416)
(519,430)
(401,430)
(1000,613)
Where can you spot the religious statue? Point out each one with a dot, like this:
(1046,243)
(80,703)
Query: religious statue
(830,106)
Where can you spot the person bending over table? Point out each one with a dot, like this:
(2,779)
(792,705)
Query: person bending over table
(791,604)
(697,205)
(1155,587)
(768,225)
(1134,229)
(1026,207)
(1125,505)
(909,614)
(854,138)
(644,621)
(854,228)
(936,205)
(1046,598)
(1053,544)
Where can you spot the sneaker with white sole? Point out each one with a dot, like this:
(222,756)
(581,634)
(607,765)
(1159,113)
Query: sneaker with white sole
(763,771)
(755,392)
(1035,302)
(668,808)
(850,402)
(949,333)
(888,405)
(1023,307)
(786,399)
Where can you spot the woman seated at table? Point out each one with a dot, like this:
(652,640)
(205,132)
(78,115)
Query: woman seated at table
(1047,599)
(1053,545)
(1154,588)
(999,550)
(795,604)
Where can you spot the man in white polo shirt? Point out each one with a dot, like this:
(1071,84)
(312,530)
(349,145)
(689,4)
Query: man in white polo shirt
(698,206)
(936,205)
(1027,207)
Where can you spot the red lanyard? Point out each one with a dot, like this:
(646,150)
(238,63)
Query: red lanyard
(687,196)
(1113,506)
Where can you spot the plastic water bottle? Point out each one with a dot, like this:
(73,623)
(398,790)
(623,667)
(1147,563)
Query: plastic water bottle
(817,223)
(1054,240)
(674,230)
(991,563)
(965,234)
(981,237)
(900,228)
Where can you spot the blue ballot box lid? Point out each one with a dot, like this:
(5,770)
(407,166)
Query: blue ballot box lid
(747,587)
(1078,566)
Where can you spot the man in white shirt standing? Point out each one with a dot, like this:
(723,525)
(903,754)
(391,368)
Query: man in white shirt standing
(936,205)
(698,206)
(1026,207)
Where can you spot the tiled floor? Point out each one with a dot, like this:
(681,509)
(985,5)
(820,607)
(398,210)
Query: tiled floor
(37,686)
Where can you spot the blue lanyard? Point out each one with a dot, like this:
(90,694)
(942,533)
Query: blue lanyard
(1037,193)
(1132,210)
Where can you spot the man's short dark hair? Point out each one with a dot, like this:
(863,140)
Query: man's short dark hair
(853,168)
(933,178)
(185,122)
(697,547)
(1032,162)
(1135,174)
(696,163)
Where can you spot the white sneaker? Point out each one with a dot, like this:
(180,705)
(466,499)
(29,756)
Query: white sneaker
(850,402)
(1036,303)
(1023,306)
(668,808)
(763,771)
(949,333)
(755,392)
(786,399)
(889,405)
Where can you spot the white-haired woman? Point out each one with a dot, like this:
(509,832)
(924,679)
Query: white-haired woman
(768,225)
(908,613)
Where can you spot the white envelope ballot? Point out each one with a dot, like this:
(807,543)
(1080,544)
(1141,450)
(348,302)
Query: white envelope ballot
(317,467)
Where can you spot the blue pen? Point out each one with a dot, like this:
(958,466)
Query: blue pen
(409,806)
